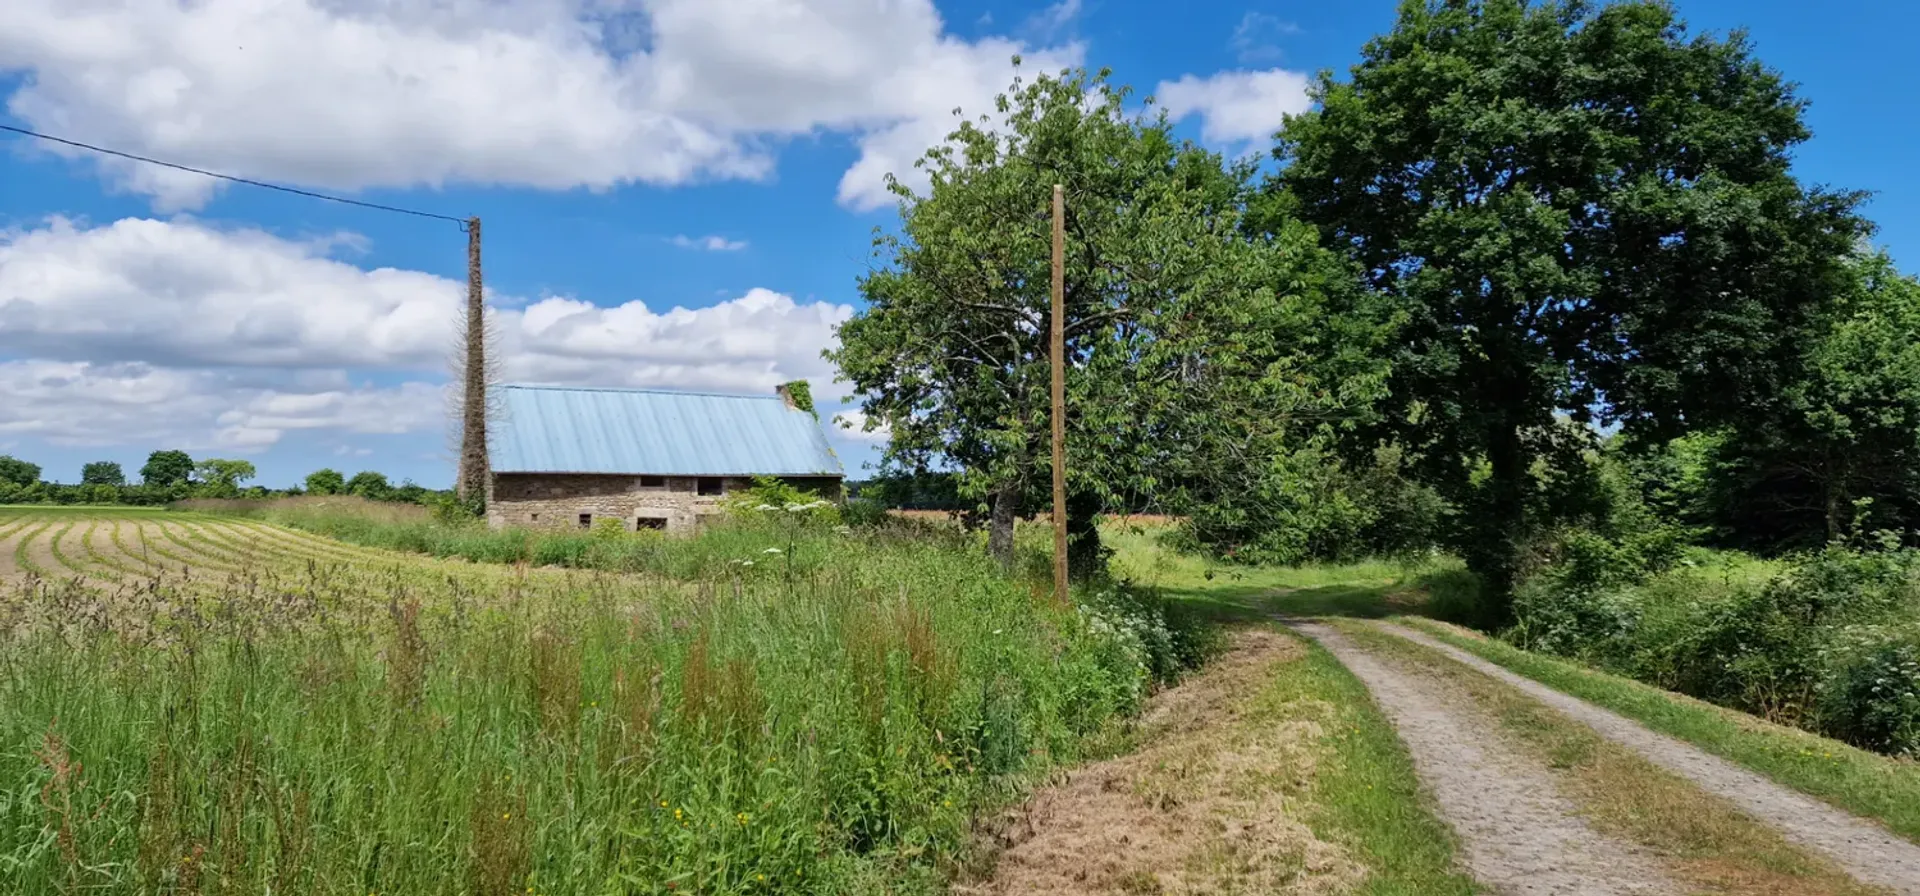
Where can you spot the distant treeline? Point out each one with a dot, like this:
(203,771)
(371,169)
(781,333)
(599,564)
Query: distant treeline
(172,475)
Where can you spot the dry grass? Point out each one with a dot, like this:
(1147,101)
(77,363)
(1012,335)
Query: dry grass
(1207,805)
(1707,842)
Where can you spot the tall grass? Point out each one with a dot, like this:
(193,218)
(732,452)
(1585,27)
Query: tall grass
(825,725)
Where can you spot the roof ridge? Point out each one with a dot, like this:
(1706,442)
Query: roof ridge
(638,390)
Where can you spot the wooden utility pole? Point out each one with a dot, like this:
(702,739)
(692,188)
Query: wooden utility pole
(472,479)
(1059,394)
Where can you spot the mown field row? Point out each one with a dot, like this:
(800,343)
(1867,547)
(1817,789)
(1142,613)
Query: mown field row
(113,547)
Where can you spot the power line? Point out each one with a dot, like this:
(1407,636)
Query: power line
(238,180)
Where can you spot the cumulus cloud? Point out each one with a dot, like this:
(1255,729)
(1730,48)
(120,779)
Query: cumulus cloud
(545,93)
(1236,107)
(88,403)
(155,327)
(708,243)
(852,425)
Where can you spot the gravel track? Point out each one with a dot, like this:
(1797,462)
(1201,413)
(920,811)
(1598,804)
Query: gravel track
(1518,834)
(1862,848)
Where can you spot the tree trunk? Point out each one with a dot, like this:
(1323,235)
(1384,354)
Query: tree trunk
(1086,559)
(1006,509)
(1495,554)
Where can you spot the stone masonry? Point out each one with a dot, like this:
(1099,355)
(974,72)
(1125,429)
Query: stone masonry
(567,500)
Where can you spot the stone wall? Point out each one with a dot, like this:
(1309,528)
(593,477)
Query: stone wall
(559,500)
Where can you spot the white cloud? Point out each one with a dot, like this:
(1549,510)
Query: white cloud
(852,426)
(1054,18)
(543,93)
(144,329)
(86,403)
(1255,39)
(708,243)
(1236,107)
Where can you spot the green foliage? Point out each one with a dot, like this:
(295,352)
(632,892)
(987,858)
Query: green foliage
(1573,207)
(164,468)
(494,730)
(17,472)
(326,481)
(801,392)
(951,350)
(370,485)
(1872,695)
(102,472)
(1843,429)
(1823,645)
(1310,506)
(771,496)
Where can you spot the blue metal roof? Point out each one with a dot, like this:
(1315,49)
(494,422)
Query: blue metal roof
(542,429)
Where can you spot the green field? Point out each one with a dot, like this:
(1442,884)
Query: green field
(192,703)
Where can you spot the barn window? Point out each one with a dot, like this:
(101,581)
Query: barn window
(586,521)
(650,522)
(534,517)
(712,485)
(653,482)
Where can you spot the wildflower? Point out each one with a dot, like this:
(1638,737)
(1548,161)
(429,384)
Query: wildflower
(505,815)
(766,507)
(676,813)
(663,804)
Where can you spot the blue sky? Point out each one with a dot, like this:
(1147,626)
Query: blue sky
(628,158)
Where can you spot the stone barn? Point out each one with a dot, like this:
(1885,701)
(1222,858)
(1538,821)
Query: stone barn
(652,459)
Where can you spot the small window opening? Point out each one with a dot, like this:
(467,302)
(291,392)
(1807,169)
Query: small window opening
(534,517)
(649,522)
(586,521)
(653,482)
(712,486)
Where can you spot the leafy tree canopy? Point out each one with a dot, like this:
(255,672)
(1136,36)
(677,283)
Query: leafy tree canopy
(326,481)
(370,485)
(223,475)
(102,472)
(1172,314)
(17,472)
(167,468)
(1577,210)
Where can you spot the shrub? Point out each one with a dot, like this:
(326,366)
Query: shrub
(1870,696)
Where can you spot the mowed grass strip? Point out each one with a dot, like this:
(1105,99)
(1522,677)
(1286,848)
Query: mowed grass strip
(1365,794)
(22,550)
(1868,784)
(1707,842)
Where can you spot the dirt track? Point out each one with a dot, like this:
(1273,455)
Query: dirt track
(1518,834)
(1864,849)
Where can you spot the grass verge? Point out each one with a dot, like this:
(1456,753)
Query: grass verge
(1365,796)
(1865,783)
(1710,844)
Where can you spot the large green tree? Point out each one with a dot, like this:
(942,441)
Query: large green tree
(1579,210)
(221,478)
(1844,430)
(102,472)
(326,481)
(1172,313)
(370,485)
(167,468)
(15,471)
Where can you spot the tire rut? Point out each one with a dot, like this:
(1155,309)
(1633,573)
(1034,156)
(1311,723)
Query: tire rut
(1869,852)
(1518,835)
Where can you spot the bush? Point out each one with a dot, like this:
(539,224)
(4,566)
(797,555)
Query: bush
(1820,645)
(1871,694)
